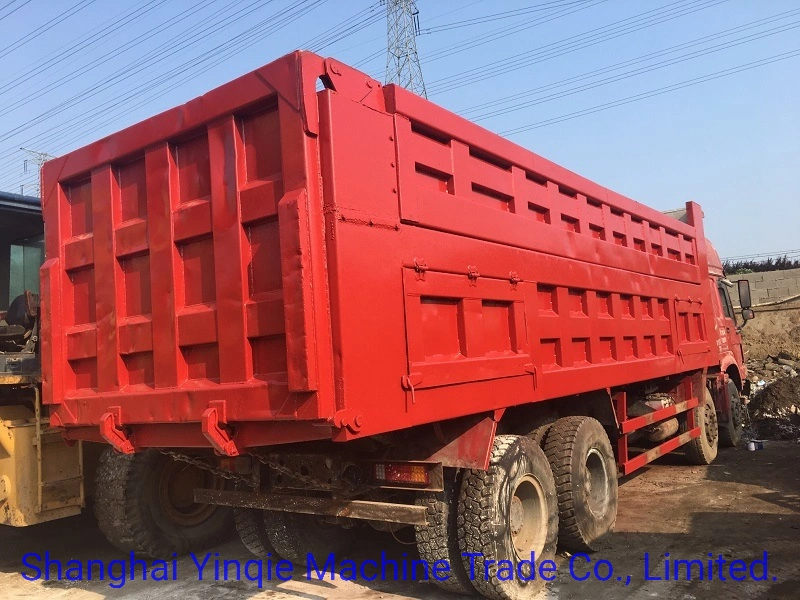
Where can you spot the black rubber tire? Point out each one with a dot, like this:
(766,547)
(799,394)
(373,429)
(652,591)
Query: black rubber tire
(439,539)
(585,473)
(489,503)
(730,433)
(252,529)
(703,450)
(539,433)
(131,516)
(294,536)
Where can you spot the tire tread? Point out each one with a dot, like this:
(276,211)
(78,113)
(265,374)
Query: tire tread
(122,515)
(560,448)
(477,515)
(438,540)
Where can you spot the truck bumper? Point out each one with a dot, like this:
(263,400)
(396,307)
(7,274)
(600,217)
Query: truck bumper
(351,509)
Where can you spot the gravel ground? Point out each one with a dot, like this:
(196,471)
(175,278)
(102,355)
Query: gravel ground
(744,504)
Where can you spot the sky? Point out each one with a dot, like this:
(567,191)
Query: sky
(661,100)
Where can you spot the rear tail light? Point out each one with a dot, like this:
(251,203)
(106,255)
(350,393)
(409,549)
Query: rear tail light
(415,474)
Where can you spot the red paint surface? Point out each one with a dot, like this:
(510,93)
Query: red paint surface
(299,253)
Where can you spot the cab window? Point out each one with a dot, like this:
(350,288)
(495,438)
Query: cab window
(725,302)
(22,270)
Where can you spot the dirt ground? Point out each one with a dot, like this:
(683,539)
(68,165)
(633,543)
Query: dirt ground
(744,504)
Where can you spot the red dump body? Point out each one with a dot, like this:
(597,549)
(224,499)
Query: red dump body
(306,264)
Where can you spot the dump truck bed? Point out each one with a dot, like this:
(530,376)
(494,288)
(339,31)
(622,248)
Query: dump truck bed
(273,263)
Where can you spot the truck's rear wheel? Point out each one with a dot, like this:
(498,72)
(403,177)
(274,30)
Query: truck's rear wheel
(252,529)
(439,539)
(144,503)
(585,472)
(505,514)
(730,433)
(703,450)
(539,433)
(294,536)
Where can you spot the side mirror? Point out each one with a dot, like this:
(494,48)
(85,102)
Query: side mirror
(744,295)
(747,314)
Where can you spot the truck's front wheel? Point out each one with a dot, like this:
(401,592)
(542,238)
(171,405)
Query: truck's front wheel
(144,503)
(730,432)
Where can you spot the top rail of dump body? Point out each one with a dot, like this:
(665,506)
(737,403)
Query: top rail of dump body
(187,281)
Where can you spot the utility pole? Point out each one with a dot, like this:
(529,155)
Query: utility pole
(402,60)
(37,158)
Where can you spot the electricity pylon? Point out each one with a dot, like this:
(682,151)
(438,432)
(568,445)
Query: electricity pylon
(402,60)
(37,158)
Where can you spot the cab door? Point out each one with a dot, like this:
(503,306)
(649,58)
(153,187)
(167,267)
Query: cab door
(730,323)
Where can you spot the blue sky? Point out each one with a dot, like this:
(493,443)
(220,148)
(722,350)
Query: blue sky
(732,143)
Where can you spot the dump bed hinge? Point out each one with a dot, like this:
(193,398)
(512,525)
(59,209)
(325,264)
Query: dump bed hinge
(349,419)
(215,428)
(112,432)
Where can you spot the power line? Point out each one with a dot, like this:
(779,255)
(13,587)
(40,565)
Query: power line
(778,254)
(82,43)
(12,11)
(655,92)
(362,19)
(46,27)
(636,72)
(509,99)
(573,43)
(71,76)
(516,13)
(503,32)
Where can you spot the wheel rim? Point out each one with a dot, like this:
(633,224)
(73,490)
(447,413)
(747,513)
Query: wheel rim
(596,483)
(528,517)
(710,427)
(176,493)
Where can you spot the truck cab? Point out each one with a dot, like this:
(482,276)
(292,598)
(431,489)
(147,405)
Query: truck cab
(731,378)
(728,381)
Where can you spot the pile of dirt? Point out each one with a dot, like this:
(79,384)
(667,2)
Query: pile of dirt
(775,410)
(773,330)
(774,366)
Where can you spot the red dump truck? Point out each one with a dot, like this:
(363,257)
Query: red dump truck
(349,306)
